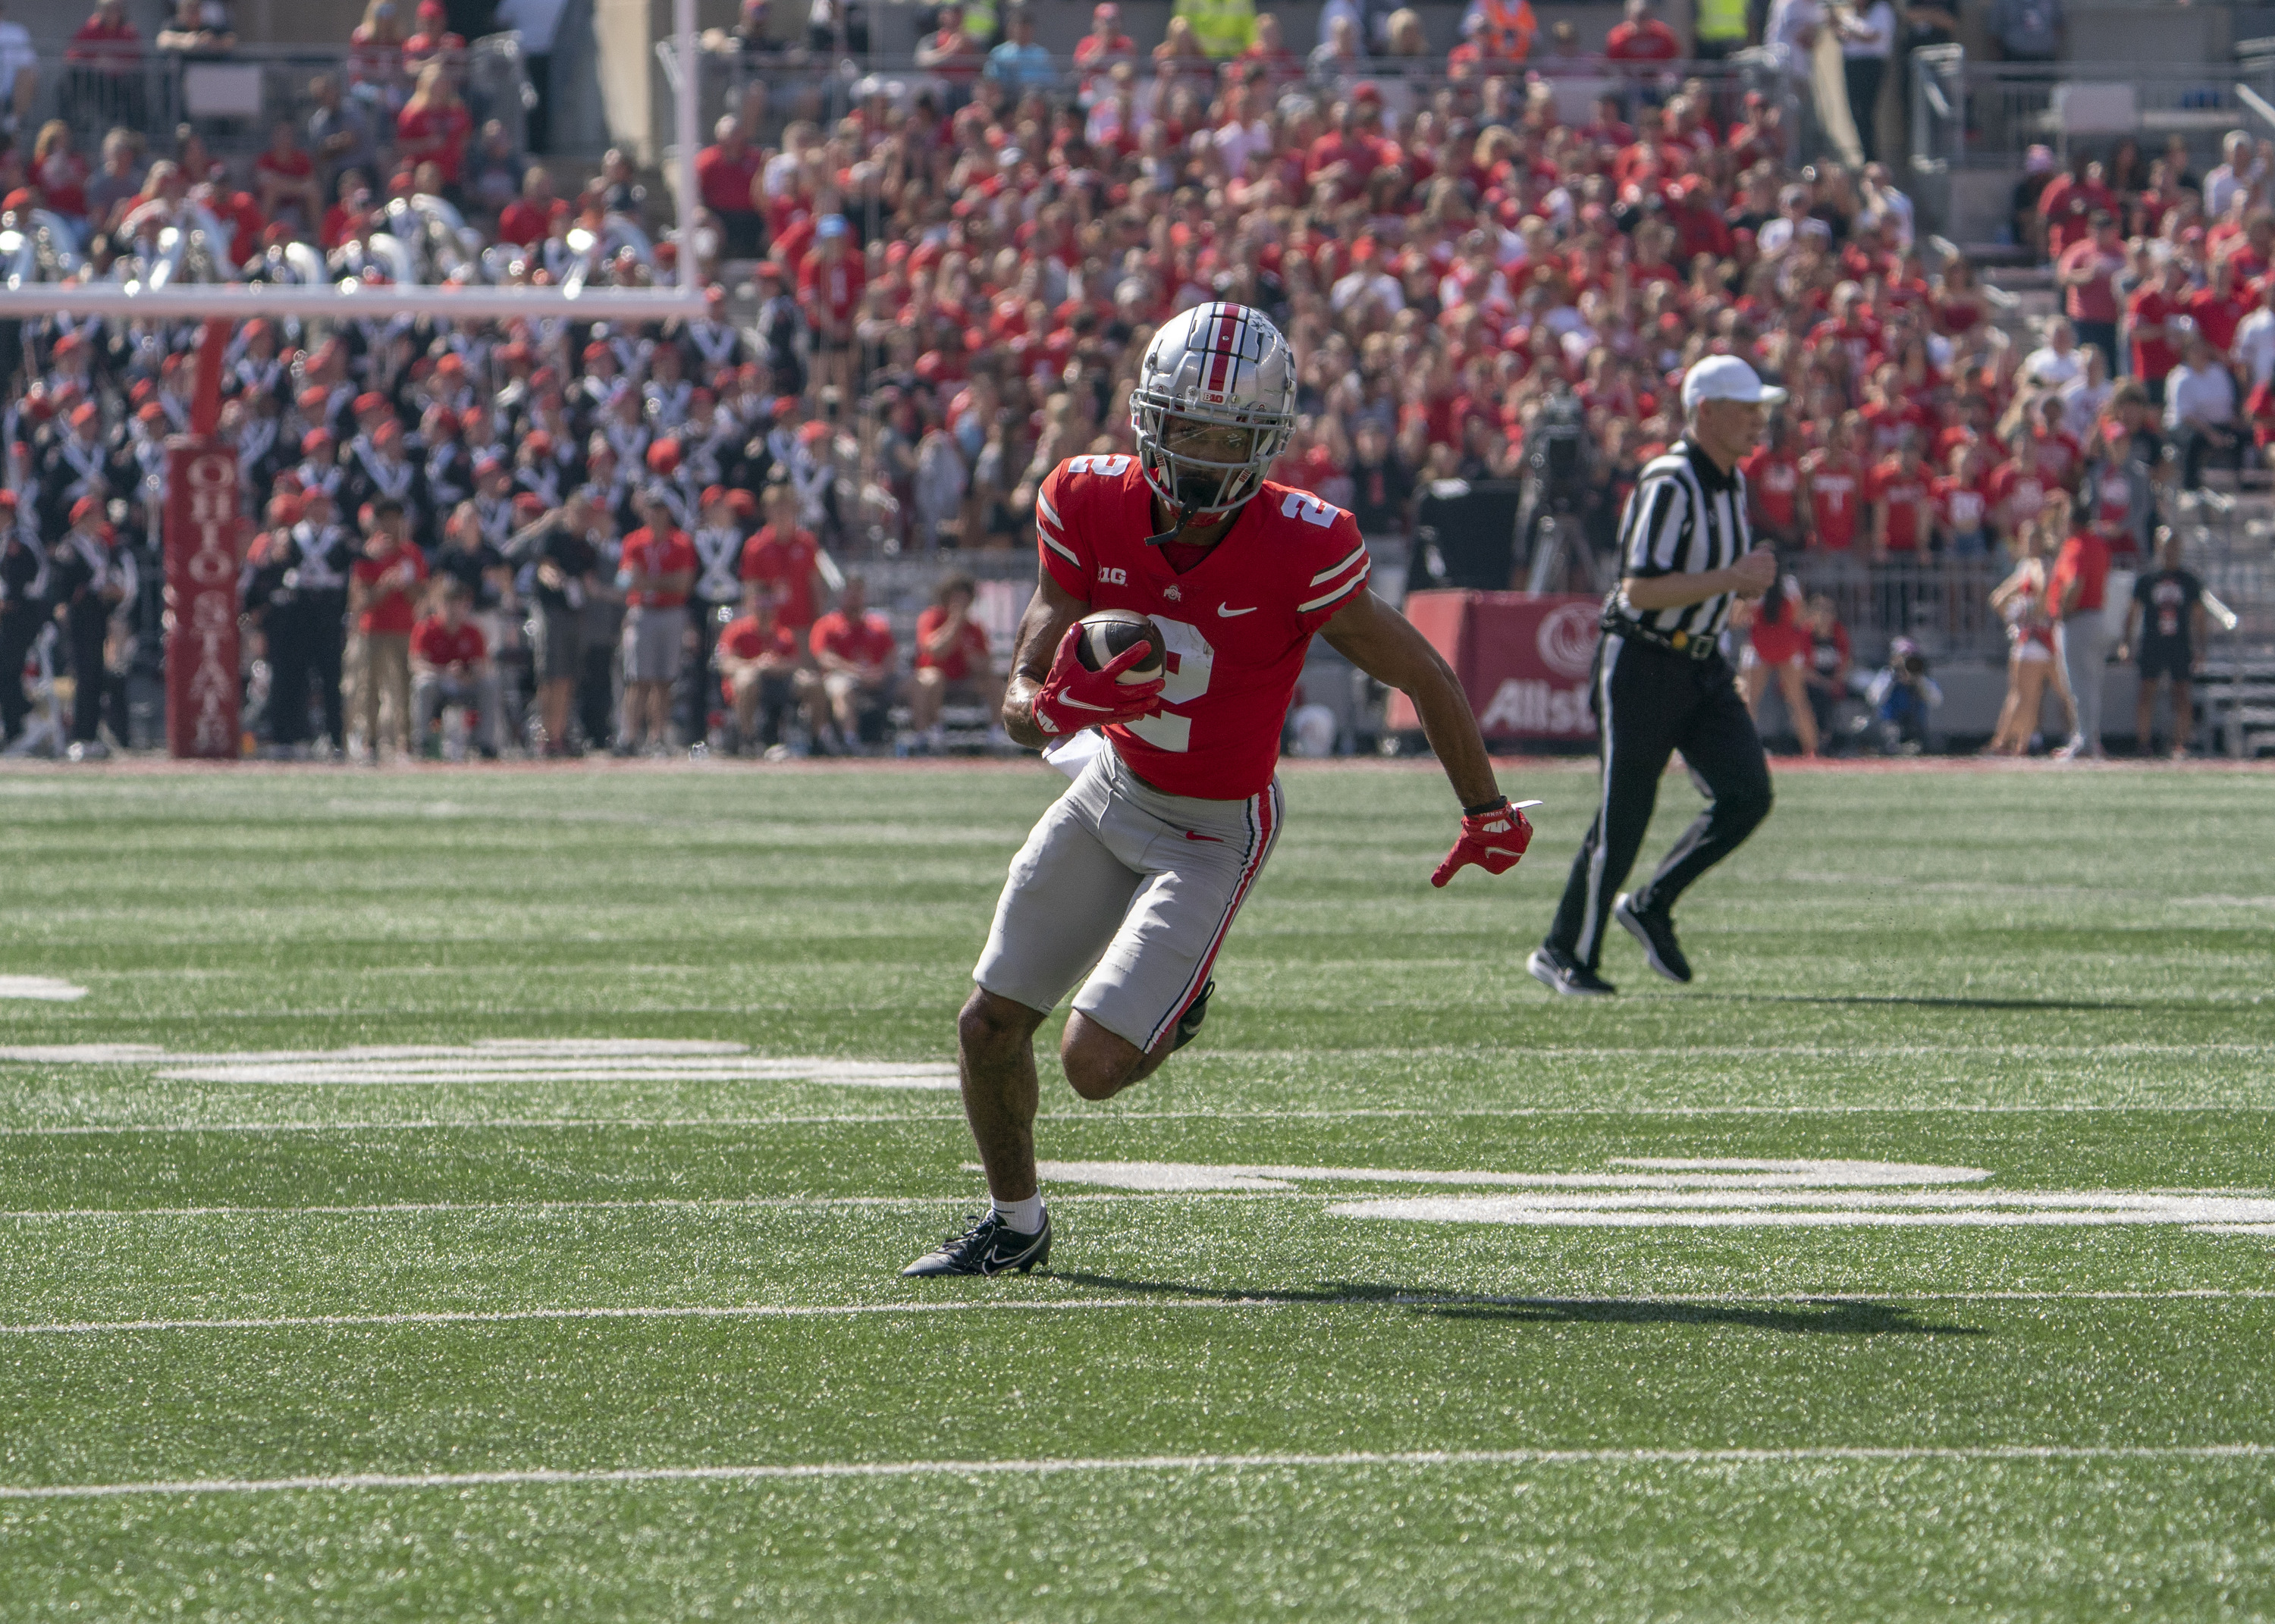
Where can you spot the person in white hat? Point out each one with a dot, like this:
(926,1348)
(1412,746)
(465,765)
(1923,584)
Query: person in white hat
(1662,684)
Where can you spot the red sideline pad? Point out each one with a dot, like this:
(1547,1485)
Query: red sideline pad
(1523,660)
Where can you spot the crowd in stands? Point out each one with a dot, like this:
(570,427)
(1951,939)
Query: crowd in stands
(952,285)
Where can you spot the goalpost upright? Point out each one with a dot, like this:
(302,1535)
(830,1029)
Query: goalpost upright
(204,535)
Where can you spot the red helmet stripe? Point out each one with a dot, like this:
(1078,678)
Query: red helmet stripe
(1226,323)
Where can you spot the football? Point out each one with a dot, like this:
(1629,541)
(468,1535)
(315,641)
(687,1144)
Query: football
(1110,633)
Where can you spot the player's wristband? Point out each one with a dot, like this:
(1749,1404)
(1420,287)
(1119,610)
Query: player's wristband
(1483,807)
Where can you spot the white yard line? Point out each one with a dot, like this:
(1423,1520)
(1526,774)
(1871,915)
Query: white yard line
(1229,1302)
(1200,1114)
(44,989)
(626,1204)
(1276,1461)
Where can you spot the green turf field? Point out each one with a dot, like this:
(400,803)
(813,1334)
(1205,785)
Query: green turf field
(465,1195)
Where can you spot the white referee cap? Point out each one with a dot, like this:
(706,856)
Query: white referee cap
(1725,377)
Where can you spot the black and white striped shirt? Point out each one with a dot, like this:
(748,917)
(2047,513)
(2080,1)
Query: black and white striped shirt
(1686,517)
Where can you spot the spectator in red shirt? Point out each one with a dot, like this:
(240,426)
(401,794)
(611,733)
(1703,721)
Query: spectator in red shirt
(1833,476)
(284,180)
(758,670)
(107,41)
(1642,37)
(530,218)
(451,665)
(1097,52)
(2081,575)
(1898,489)
(786,559)
(2069,203)
(2149,316)
(432,127)
(1963,508)
(953,662)
(830,281)
(725,172)
(1774,487)
(2087,270)
(853,645)
(2017,489)
(383,587)
(656,570)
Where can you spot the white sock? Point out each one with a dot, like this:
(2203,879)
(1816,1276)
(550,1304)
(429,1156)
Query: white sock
(1021,1217)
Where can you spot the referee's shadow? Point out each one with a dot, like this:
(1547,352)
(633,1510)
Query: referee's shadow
(1823,1316)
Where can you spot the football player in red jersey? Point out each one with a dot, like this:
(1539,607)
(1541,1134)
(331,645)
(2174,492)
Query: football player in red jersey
(1141,866)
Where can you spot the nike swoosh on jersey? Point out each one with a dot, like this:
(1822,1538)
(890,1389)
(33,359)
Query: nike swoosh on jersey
(1230,613)
(1216,839)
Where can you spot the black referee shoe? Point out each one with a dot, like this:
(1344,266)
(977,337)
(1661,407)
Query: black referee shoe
(1562,974)
(1655,930)
(989,1247)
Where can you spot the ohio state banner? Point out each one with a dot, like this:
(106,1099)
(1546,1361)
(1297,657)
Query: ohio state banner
(1523,660)
(201,550)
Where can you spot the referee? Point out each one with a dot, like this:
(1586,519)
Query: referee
(1662,684)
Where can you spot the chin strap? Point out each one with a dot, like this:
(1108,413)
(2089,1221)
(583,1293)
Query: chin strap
(1177,524)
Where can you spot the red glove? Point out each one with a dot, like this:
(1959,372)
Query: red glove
(1494,839)
(1073,699)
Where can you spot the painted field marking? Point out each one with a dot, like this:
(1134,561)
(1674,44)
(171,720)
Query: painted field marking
(47,989)
(1218,1304)
(629,1203)
(499,1059)
(1198,1113)
(1693,1193)
(1275,1461)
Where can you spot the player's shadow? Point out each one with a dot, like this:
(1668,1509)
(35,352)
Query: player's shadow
(1902,1001)
(1823,1317)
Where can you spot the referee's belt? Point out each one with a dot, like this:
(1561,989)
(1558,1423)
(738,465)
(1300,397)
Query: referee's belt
(1673,642)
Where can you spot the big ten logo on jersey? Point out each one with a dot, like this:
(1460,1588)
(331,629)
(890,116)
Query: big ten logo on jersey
(1191,662)
(1310,508)
(1104,467)
(1108,575)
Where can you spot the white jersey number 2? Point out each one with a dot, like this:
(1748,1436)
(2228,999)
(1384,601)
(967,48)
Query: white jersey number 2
(1190,661)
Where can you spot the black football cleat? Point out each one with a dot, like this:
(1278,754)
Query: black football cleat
(1188,1024)
(1565,975)
(1652,927)
(987,1247)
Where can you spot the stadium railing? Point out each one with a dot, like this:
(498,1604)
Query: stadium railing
(232,98)
(802,84)
(1968,114)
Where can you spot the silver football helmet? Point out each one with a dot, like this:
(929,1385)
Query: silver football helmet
(1221,365)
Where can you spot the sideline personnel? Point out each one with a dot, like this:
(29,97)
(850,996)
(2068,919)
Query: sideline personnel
(1661,683)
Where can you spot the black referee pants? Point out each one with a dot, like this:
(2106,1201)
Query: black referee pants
(1648,703)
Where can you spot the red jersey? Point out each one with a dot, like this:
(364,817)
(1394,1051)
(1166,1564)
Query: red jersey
(2015,495)
(2154,353)
(524,222)
(1903,491)
(832,287)
(724,178)
(2058,457)
(1961,509)
(1834,488)
(866,641)
(387,605)
(785,564)
(1774,483)
(436,133)
(2084,558)
(1238,622)
(743,640)
(970,654)
(435,643)
(649,553)
(1648,40)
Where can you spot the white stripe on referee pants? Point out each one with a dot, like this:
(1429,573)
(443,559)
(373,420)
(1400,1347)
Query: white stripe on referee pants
(1592,921)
